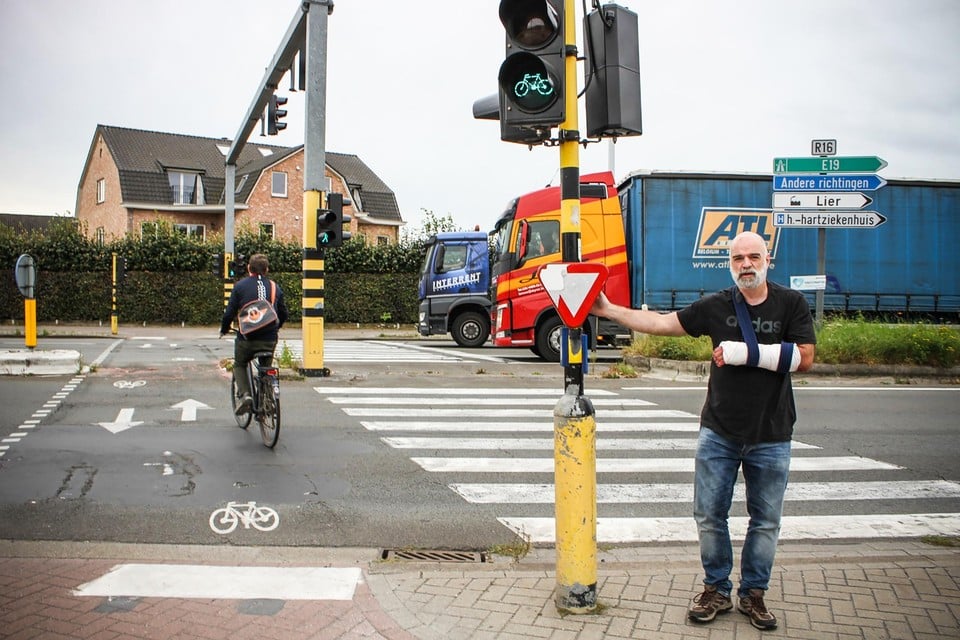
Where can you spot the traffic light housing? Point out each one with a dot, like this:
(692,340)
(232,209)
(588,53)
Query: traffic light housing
(216,264)
(274,114)
(531,78)
(612,70)
(330,221)
(488,108)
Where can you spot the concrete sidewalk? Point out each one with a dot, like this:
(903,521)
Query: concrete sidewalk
(896,590)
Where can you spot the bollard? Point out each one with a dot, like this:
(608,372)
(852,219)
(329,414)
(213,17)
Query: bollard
(575,481)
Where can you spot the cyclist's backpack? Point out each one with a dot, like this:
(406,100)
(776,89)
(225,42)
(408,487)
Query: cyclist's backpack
(258,314)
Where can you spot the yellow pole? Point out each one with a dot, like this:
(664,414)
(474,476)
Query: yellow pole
(30,322)
(312,301)
(574,427)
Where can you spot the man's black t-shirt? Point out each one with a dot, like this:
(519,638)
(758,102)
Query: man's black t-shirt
(749,404)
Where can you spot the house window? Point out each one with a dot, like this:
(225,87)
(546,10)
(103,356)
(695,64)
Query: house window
(185,187)
(100,236)
(190,230)
(243,181)
(383,240)
(149,229)
(101,191)
(267,230)
(278,184)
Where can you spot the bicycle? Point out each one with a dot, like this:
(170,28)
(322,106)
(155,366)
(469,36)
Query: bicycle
(265,390)
(225,519)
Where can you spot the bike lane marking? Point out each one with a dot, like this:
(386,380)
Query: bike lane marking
(25,428)
(229,583)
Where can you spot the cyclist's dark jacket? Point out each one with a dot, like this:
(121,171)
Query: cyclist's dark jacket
(247,290)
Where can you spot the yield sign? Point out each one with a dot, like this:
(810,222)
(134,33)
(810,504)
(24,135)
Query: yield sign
(573,286)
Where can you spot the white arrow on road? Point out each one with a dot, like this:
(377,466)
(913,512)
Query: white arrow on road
(123,422)
(188,409)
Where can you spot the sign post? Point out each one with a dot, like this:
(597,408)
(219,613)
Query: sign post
(25,273)
(831,198)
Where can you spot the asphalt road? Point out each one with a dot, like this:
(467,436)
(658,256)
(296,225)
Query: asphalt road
(420,444)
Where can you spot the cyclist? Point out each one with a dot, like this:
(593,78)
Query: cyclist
(256,286)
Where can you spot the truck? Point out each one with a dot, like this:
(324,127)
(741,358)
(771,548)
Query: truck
(454,288)
(664,238)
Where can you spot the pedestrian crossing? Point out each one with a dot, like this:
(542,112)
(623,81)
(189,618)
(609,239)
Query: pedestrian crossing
(495,447)
(382,351)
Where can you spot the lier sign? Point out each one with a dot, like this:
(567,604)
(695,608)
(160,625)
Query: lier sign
(573,287)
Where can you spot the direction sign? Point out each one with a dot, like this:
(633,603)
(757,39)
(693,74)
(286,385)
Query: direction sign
(810,200)
(573,287)
(837,164)
(835,182)
(833,219)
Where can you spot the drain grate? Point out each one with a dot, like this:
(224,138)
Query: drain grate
(432,555)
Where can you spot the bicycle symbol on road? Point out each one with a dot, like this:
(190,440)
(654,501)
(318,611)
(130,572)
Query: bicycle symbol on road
(225,519)
(129,384)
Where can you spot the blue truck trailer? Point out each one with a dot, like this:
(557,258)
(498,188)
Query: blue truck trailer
(679,224)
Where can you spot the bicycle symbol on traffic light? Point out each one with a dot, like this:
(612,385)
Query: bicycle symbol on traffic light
(533,82)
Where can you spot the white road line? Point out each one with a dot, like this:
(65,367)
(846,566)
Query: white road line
(400,412)
(233,583)
(544,444)
(505,493)
(633,530)
(481,402)
(440,391)
(103,356)
(630,465)
(524,427)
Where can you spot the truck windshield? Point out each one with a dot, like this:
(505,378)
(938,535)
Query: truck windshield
(501,243)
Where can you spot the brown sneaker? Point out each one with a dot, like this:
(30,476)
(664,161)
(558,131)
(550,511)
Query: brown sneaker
(752,606)
(708,604)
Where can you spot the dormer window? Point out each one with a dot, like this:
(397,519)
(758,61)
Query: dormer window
(186,187)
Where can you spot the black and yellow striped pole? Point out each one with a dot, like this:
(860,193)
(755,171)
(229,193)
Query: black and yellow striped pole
(313,287)
(227,280)
(114,280)
(574,424)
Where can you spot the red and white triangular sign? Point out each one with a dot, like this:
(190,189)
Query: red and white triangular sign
(573,287)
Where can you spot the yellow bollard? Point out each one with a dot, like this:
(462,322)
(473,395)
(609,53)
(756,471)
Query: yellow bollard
(575,479)
(30,322)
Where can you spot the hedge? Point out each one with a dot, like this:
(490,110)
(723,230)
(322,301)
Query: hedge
(171,278)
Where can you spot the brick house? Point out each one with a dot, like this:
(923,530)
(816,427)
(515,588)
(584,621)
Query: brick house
(132,178)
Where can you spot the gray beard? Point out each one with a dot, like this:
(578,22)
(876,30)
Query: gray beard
(759,277)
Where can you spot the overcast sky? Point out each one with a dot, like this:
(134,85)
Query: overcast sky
(727,85)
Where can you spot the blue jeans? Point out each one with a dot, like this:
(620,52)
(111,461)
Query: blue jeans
(765,469)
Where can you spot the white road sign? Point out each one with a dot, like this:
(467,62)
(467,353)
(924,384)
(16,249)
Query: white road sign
(814,200)
(838,219)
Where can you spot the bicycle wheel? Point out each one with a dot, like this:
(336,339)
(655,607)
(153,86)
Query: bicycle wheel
(223,520)
(269,416)
(243,420)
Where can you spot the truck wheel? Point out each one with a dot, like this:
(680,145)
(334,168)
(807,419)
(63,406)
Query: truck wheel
(470,329)
(548,339)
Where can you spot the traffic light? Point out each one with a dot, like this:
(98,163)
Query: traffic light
(531,77)
(274,113)
(330,221)
(612,71)
(216,264)
(232,269)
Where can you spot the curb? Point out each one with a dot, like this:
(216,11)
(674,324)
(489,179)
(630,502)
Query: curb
(23,362)
(701,369)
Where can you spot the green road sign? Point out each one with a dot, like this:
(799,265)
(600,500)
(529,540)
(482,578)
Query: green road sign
(836,164)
